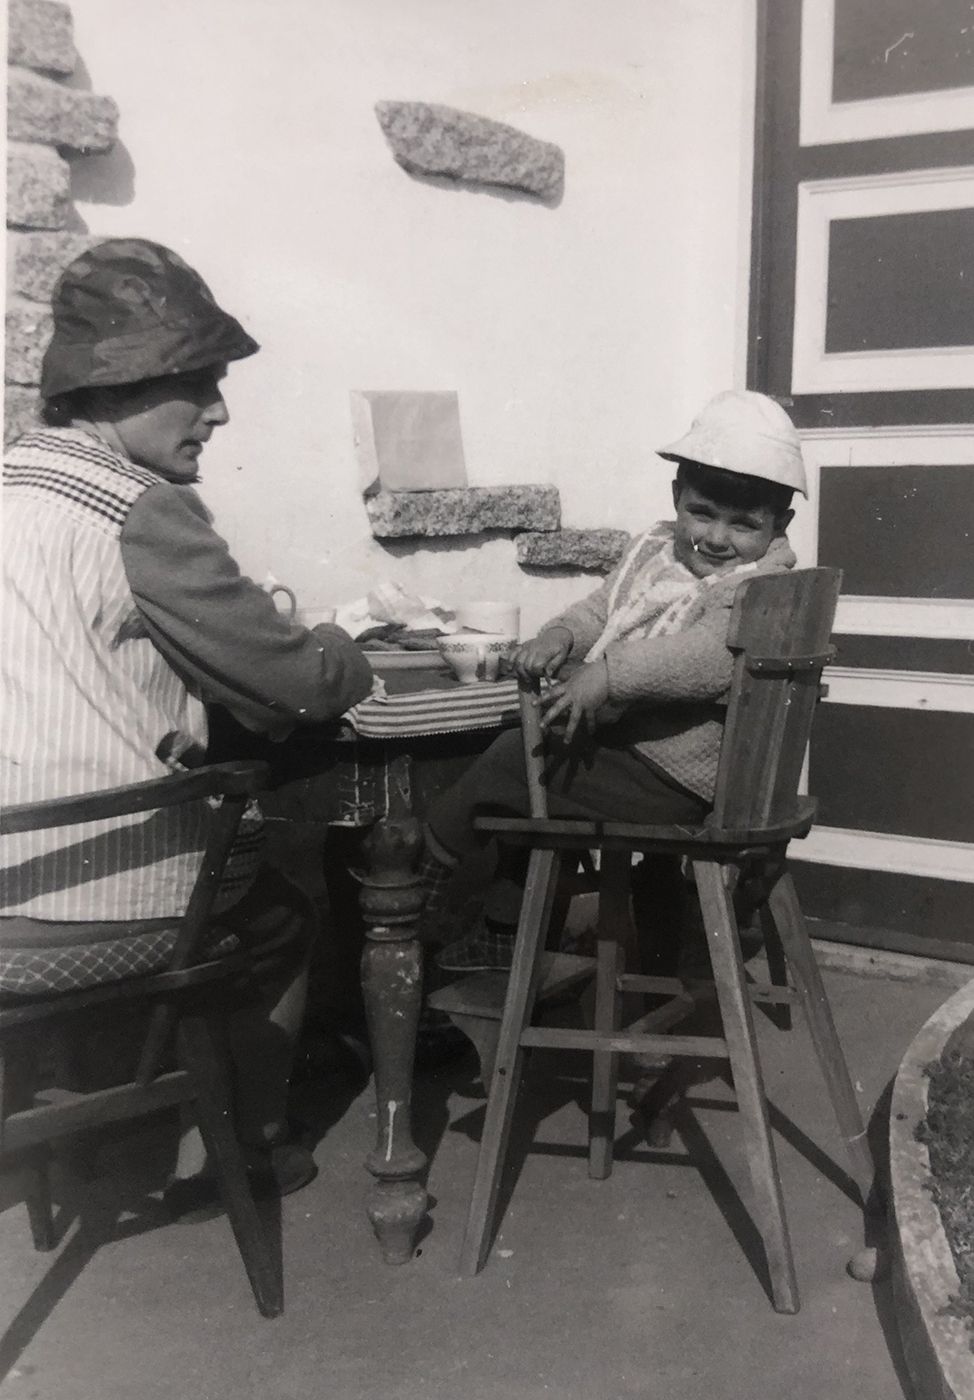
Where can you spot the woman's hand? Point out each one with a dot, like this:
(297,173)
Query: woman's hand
(580,698)
(543,655)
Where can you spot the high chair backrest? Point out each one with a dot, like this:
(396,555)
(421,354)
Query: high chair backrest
(779,631)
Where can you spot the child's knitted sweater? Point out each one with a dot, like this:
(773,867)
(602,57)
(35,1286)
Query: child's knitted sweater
(672,686)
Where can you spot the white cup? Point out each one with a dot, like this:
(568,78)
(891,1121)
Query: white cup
(307,617)
(475,656)
(288,593)
(489,617)
(310,617)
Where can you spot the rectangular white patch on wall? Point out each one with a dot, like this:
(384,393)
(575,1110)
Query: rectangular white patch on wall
(407,440)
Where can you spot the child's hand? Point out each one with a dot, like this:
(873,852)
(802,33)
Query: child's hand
(543,655)
(580,697)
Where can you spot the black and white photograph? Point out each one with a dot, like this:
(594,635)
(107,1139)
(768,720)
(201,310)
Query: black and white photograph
(487,700)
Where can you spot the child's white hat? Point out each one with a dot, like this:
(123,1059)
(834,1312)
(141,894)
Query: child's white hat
(742,431)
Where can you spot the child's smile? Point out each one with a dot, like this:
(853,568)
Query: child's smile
(712,538)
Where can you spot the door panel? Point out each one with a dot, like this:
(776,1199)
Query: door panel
(862,325)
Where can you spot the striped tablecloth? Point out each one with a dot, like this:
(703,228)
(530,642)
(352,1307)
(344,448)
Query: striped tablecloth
(446,710)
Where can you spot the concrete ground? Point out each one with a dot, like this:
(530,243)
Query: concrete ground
(650,1284)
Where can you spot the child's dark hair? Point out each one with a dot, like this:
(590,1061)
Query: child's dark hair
(732,488)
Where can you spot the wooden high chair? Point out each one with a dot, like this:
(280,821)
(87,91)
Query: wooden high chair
(779,632)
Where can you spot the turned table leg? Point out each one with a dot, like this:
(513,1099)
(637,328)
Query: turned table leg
(392,985)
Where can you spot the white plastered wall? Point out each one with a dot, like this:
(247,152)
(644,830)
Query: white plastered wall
(578,337)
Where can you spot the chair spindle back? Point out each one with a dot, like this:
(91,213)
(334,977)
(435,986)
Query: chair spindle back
(780,629)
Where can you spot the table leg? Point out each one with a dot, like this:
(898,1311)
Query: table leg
(392,984)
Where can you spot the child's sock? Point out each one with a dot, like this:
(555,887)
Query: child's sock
(488,947)
(490,943)
(436,878)
(436,869)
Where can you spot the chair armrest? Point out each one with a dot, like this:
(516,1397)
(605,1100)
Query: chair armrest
(240,779)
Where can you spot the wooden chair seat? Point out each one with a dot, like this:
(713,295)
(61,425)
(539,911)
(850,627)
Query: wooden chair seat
(184,1007)
(779,635)
(552,833)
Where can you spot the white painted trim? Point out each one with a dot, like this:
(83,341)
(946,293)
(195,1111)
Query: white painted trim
(867,452)
(876,850)
(901,690)
(824,122)
(869,196)
(940,618)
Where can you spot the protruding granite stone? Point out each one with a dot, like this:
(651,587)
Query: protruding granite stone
(40,109)
(28,330)
(599,550)
(21,409)
(399,514)
(429,139)
(38,187)
(40,36)
(38,259)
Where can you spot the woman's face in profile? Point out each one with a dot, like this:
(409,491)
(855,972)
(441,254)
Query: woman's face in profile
(164,423)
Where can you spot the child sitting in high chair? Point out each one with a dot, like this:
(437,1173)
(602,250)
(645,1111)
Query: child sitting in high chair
(639,671)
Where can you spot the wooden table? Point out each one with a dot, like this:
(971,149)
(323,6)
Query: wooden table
(370,780)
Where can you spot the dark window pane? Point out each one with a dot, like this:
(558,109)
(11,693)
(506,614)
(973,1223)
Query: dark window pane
(899,532)
(910,772)
(901,281)
(944,654)
(887,47)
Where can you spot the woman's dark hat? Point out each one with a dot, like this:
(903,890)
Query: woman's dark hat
(128,310)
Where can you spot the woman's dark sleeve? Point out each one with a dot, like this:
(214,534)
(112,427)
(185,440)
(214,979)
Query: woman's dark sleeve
(221,632)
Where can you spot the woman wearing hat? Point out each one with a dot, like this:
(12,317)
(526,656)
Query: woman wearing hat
(124,614)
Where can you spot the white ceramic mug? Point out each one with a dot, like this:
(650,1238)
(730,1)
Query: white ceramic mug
(310,617)
(307,617)
(289,595)
(497,618)
(475,656)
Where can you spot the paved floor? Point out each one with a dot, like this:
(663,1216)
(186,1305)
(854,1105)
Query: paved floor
(647,1285)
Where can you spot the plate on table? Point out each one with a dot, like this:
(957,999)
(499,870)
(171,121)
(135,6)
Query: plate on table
(405,660)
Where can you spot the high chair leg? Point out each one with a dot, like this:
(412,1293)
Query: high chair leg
(735,1010)
(605,1063)
(539,892)
(793,931)
(777,967)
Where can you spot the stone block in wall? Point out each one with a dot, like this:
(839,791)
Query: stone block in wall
(38,187)
(28,328)
(40,35)
(472,511)
(598,550)
(41,109)
(37,260)
(21,408)
(429,139)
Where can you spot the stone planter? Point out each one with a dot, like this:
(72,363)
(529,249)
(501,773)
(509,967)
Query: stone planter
(937,1345)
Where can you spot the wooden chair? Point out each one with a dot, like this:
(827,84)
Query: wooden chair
(779,633)
(186,1003)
